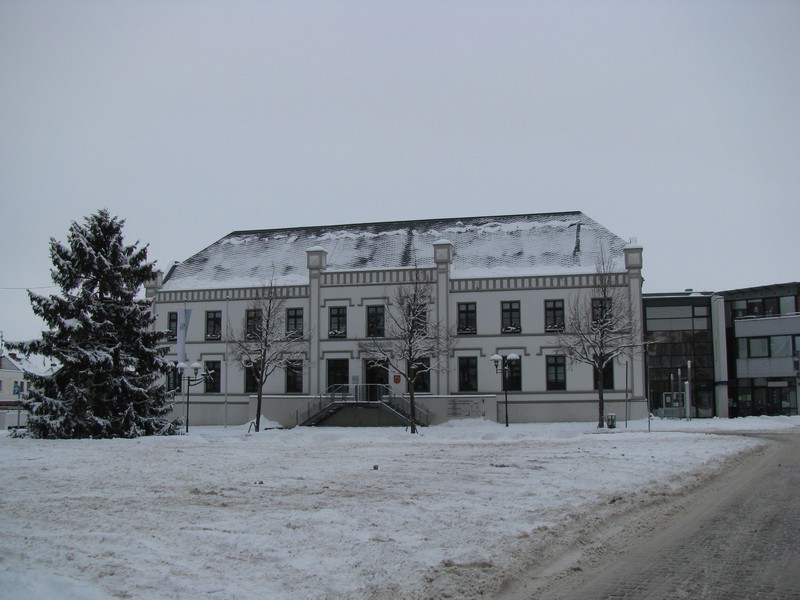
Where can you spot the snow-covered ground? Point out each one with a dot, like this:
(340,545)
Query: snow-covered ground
(328,512)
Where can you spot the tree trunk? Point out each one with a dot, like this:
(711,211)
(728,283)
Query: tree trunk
(412,406)
(601,409)
(258,409)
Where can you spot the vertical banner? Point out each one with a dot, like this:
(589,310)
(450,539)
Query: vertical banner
(183,327)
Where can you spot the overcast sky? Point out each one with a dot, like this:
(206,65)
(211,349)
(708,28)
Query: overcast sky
(677,123)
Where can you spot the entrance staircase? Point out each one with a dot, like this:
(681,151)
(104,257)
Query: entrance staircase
(338,397)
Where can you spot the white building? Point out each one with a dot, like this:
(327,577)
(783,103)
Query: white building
(503,282)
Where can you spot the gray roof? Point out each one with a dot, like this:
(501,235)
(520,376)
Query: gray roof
(509,245)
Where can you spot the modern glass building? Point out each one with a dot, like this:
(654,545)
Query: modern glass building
(679,339)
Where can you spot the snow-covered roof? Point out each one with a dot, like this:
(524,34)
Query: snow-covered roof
(510,245)
(35,364)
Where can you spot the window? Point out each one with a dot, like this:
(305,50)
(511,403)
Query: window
(553,315)
(423,381)
(514,382)
(556,372)
(600,309)
(608,377)
(172,326)
(213,377)
(780,346)
(250,383)
(337,322)
(294,321)
(173,377)
(213,324)
(252,324)
(294,377)
(338,372)
(510,317)
(467,373)
(467,318)
(758,347)
(375,321)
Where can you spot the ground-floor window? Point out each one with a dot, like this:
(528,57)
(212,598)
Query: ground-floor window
(467,373)
(213,381)
(556,372)
(762,396)
(294,377)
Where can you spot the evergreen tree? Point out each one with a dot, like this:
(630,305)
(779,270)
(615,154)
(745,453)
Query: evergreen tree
(110,380)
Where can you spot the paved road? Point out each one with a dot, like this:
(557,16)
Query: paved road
(737,537)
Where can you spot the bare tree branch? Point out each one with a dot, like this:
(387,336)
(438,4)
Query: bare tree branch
(414,345)
(600,328)
(262,344)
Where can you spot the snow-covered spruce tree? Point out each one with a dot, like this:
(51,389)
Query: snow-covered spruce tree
(110,380)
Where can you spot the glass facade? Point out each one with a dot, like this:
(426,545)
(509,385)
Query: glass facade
(678,330)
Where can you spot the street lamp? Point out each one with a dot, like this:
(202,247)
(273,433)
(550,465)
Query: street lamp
(192,381)
(501,365)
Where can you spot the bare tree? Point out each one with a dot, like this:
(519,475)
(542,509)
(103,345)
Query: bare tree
(266,342)
(413,345)
(599,329)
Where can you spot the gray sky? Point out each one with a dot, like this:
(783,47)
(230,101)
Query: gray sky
(677,123)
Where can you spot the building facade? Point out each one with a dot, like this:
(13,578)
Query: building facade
(763,334)
(500,284)
(738,351)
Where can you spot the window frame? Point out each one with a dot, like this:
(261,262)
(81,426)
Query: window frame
(556,372)
(467,318)
(337,315)
(172,319)
(551,312)
(468,373)
(294,321)
(294,377)
(212,384)
(213,325)
(376,321)
(509,309)
(252,323)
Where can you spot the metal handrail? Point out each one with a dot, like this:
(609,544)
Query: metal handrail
(361,393)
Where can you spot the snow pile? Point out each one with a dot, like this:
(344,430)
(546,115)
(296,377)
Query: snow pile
(326,512)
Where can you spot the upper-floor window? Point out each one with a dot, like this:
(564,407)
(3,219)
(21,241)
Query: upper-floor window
(510,317)
(764,307)
(553,315)
(467,373)
(556,372)
(294,321)
(467,318)
(213,324)
(775,346)
(600,309)
(213,376)
(172,326)
(337,326)
(252,323)
(375,321)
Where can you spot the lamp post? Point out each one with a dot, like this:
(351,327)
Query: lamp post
(501,365)
(192,381)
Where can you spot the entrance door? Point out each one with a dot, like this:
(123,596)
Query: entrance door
(338,374)
(376,376)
